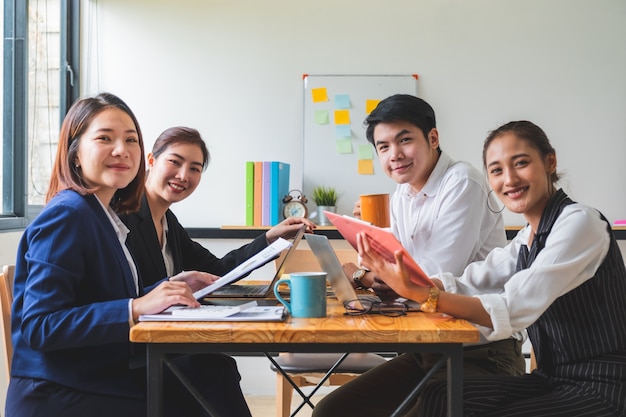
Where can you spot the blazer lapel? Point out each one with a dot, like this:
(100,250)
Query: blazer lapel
(150,238)
(113,242)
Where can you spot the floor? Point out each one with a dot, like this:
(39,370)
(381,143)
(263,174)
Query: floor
(265,406)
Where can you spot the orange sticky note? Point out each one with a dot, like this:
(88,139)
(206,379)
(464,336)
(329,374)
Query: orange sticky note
(370,105)
(342,117)
(366,167)
(319,94)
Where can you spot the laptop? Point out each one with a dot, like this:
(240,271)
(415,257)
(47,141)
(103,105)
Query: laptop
(330,264)
(340,283)
(268,274)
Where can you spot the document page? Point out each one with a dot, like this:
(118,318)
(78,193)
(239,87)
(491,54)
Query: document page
(266,255)
(246,312)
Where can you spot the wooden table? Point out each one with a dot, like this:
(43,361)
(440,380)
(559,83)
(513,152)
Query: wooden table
(414,332)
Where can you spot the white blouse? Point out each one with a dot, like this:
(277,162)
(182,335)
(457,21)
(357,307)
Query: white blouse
(574,250)
(122,232)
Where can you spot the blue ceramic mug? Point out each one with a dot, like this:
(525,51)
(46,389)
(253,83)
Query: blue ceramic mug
(307,295)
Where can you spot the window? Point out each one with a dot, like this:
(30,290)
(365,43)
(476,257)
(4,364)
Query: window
(40,67)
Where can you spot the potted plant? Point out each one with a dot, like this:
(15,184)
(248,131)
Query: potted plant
(326,200)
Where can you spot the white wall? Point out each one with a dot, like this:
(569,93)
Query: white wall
(233,69)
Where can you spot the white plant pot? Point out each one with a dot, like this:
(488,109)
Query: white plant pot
(322,220)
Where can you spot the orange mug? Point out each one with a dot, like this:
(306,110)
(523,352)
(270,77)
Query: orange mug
(375,209)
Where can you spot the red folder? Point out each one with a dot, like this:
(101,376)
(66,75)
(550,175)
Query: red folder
(382,241)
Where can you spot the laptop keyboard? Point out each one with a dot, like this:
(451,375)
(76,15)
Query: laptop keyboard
(242,290)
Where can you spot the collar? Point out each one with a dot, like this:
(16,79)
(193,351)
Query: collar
(120,228)
(432,184)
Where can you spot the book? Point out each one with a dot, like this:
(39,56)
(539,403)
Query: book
(265,195)
(279,188)
(283,188)
(245,312)
(268,254)
(274,203)
(258,193)
(249,193)
(382,241)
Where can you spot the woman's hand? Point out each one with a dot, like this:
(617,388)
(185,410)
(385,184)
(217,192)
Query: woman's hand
(195,279)
(288,228)
(164,295)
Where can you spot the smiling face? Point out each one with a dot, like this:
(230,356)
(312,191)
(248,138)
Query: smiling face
(109,154)
(174,174)
(405,154)
(520,176)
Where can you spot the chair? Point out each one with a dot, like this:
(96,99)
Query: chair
(312,369)
(6,299)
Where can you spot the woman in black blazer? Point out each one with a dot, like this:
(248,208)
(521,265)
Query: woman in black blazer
(159,243)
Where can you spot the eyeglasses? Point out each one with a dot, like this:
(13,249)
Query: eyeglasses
(365,306)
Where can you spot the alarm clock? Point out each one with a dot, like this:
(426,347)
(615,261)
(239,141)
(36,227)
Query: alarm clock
(295,204)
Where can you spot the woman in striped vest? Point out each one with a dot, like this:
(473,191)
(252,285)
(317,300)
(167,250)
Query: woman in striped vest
(562,278)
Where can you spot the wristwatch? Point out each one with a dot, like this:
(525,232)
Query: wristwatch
(356,277)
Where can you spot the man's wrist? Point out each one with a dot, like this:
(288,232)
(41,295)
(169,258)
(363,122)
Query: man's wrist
(357,277)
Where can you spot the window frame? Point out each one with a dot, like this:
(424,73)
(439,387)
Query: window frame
(15,101)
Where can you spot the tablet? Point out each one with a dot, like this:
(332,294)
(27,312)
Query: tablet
(382,241)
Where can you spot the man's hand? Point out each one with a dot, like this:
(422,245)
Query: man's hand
(356,212)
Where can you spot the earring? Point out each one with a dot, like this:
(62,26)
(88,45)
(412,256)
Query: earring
(489,207)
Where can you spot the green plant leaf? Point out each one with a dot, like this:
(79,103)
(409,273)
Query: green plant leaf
(325,196)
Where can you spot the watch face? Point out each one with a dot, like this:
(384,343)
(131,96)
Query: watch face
(294,208)
(358,274)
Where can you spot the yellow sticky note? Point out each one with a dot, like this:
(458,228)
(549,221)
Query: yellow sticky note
(366,167)
(319,94)
(343,146)
(342,117)
(370,105)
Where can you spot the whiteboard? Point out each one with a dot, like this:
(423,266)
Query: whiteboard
(326,160)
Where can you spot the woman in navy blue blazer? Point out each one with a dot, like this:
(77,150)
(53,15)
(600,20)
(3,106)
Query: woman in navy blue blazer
(77,291)
(159,243)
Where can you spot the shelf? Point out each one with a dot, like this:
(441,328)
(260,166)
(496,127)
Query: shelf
(251,232)
(248,232)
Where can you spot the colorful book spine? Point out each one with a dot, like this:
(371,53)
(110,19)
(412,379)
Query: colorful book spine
(279,188)
(283,187)
(249,193)
(265,198)
(258,193)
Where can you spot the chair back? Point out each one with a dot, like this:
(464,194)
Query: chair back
(304,260)
(6,299)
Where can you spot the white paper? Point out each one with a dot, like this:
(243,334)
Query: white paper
(266,255)
(247,312)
